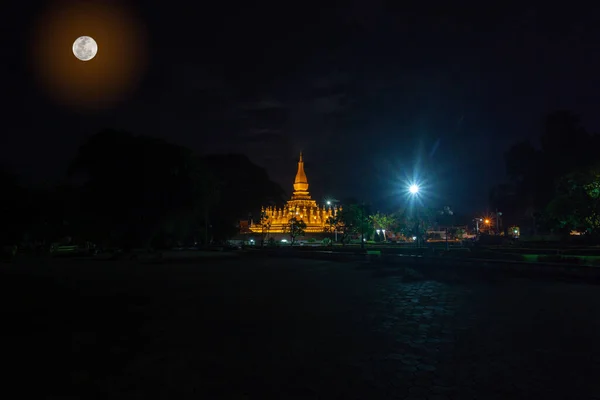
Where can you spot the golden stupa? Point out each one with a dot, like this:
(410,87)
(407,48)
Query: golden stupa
(300,206)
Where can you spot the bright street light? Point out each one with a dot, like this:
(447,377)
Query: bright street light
(414,190)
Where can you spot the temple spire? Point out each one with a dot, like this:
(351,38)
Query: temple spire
(301,182)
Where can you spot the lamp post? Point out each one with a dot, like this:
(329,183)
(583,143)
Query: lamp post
(498,215)
(362,226)
(414,191)
(329,203)
(446,237)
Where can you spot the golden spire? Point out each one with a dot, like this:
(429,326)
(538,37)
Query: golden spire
(301,183)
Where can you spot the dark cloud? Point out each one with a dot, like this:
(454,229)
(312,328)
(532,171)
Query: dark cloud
(332,104)
(264,136)
(264,104)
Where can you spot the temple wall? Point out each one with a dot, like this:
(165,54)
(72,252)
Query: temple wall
(315,218)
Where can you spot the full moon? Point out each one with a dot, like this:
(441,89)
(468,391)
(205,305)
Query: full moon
(85,48)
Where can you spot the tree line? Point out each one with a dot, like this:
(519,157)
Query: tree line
(137,191)
(553,187)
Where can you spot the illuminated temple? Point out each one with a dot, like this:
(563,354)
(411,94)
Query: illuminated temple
(301,205)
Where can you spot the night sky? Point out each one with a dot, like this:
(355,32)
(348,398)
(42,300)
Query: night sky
(372,92)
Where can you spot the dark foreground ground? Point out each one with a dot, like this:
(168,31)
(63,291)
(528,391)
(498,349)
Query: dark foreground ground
(292,329)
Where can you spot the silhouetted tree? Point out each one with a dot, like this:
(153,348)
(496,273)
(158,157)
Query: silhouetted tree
(415,221)
(533,173)
(265,225)
(383,222)
(138,188)
(345,225)
(143,191)
(576,205)
(330,228)
(243,186)
(294,228)
(355,220)
(12,212)
(445,216)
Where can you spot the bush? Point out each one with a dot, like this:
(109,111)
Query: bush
(559,259)
(595,262)
(485,254)
(492,255)
(326,242)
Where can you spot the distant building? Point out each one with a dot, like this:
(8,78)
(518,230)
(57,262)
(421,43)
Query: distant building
(245,226)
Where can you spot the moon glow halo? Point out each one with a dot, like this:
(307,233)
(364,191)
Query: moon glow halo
(79,77)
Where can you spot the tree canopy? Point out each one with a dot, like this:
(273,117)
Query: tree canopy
(547,181)
(144,191)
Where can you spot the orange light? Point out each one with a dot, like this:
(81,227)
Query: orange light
(487,221)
